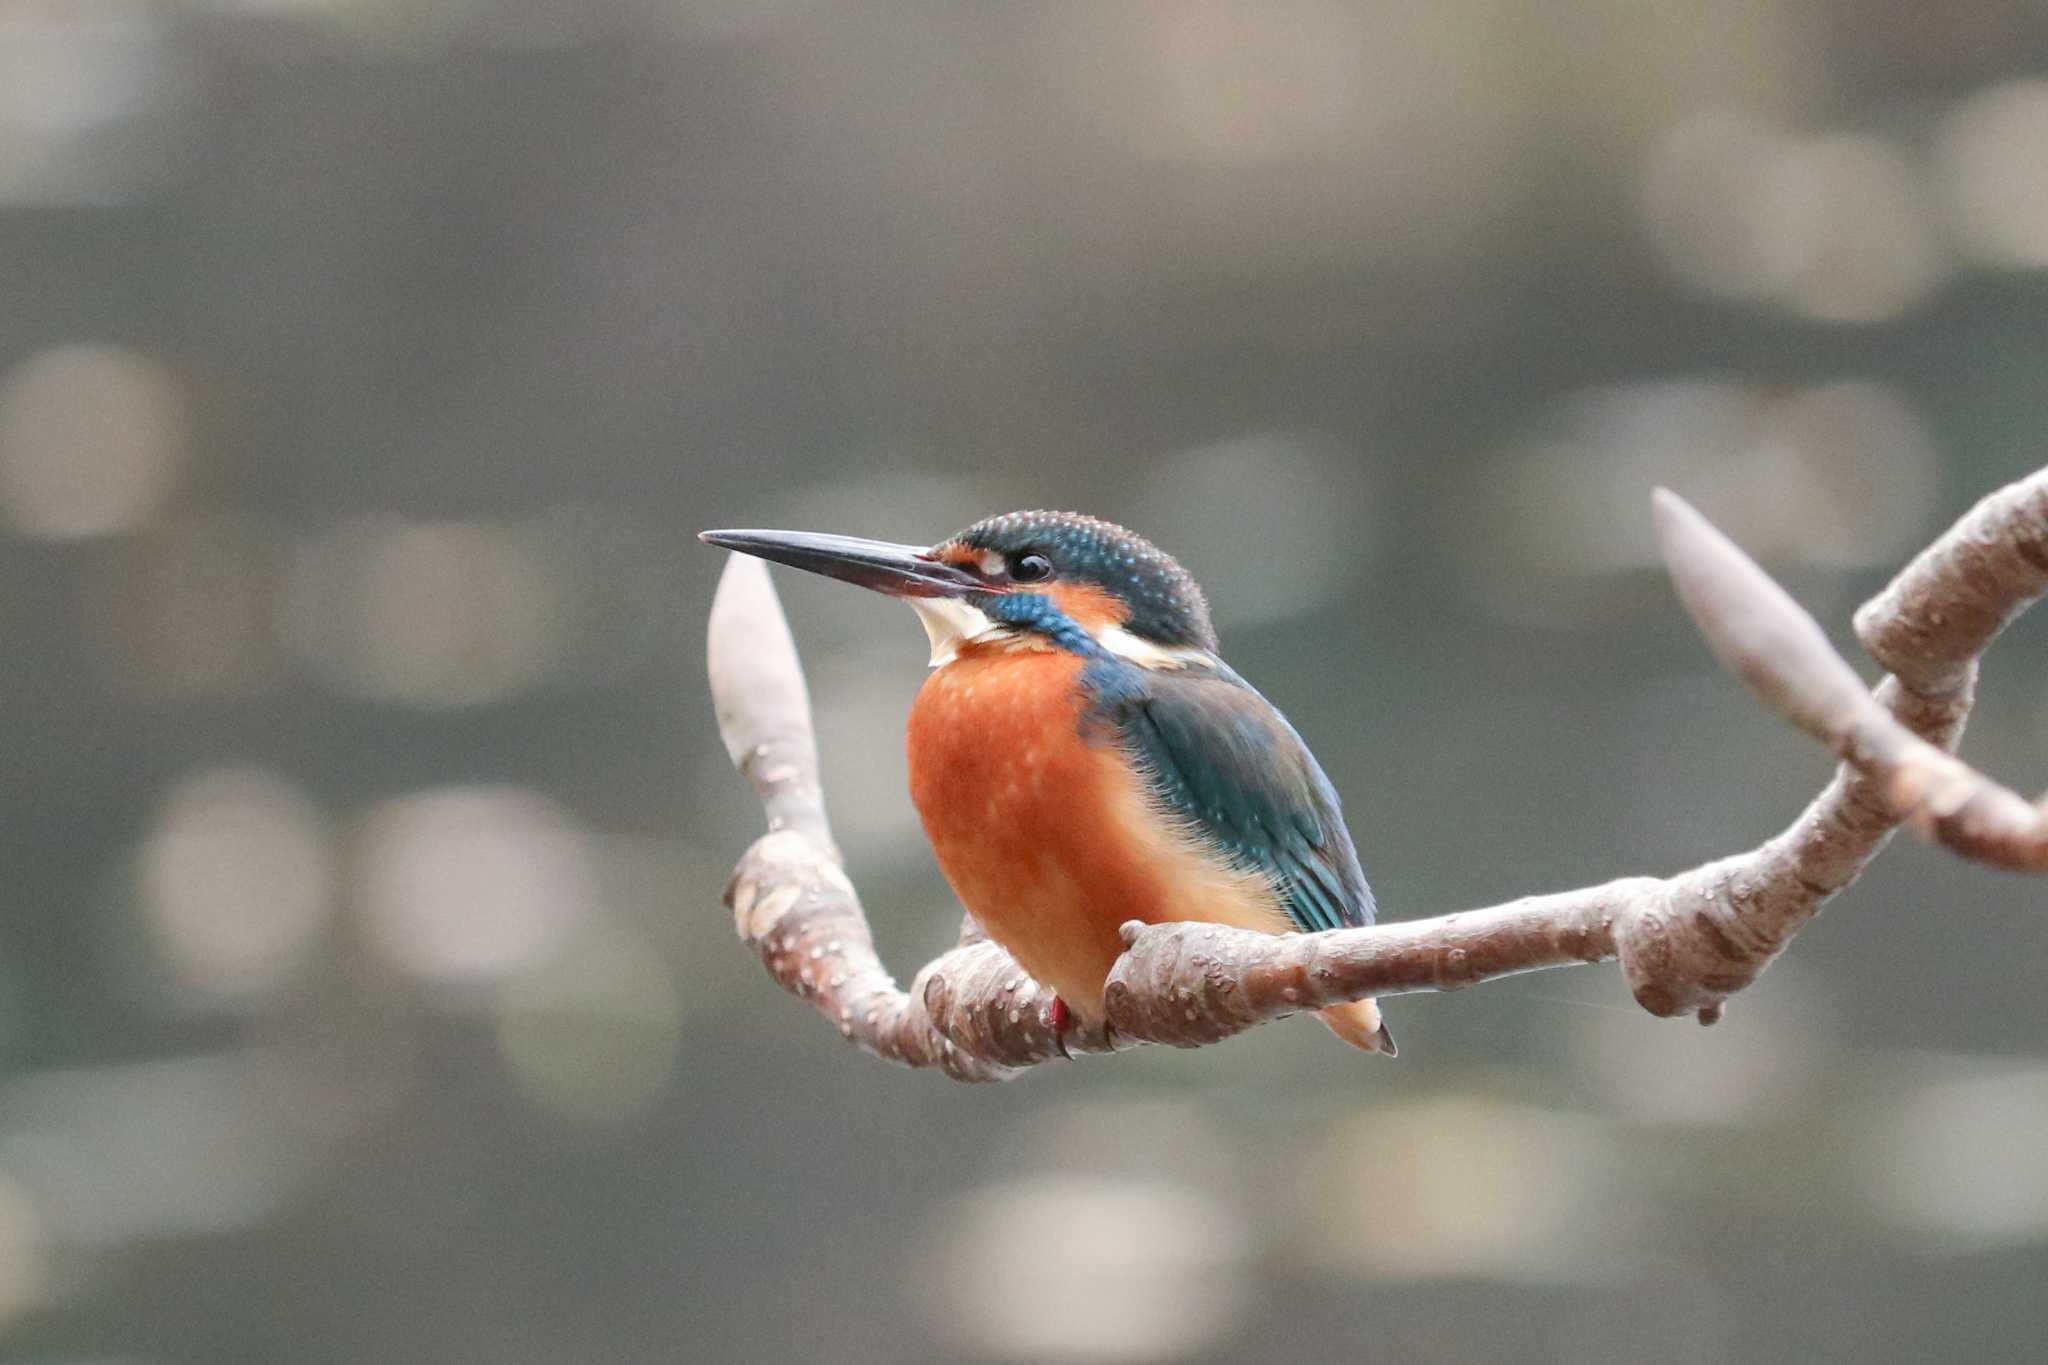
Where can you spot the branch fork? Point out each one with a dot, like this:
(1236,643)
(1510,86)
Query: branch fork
(1685,943)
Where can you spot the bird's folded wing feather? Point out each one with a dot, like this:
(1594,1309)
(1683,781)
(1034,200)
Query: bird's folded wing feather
(1223,758)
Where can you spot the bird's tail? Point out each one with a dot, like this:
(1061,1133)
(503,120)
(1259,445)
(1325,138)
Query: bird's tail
(1359,1024)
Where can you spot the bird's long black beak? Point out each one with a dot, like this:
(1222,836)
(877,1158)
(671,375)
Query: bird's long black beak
(898,570)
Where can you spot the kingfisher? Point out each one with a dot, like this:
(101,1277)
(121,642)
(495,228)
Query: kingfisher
(1080,755)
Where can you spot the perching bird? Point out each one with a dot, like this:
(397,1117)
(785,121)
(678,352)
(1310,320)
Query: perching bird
(1080,756)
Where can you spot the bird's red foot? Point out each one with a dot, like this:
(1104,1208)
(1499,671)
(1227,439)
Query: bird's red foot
(1062,1018)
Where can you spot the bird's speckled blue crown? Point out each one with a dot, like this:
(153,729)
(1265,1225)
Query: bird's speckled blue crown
(1166,604)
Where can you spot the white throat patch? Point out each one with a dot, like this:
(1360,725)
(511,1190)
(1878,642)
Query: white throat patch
(950,623)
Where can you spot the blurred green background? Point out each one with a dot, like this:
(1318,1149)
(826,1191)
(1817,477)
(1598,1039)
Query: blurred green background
(367,367)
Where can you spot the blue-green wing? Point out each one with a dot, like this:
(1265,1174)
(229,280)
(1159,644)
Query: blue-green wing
(1223,757)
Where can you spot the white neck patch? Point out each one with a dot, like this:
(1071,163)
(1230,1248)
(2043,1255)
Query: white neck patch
(1146,654)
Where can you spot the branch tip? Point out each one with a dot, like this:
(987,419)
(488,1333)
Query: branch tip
(1754,627)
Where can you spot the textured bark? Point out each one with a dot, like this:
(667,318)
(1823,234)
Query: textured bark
(1685,942)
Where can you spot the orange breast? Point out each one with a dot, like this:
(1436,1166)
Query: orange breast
(1049,838)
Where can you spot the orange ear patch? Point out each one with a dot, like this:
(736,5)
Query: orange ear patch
(1092,608)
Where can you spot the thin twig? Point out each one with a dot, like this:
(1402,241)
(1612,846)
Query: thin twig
(1929,626)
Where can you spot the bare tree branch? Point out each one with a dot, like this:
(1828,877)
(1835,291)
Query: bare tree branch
(1929,626)
(1685,942)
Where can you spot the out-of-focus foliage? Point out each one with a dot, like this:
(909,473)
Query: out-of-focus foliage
(366,367)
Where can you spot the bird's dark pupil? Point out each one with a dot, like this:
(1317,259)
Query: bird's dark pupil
(1031,568)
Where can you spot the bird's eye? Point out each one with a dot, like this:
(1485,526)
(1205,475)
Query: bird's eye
(1031,568)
